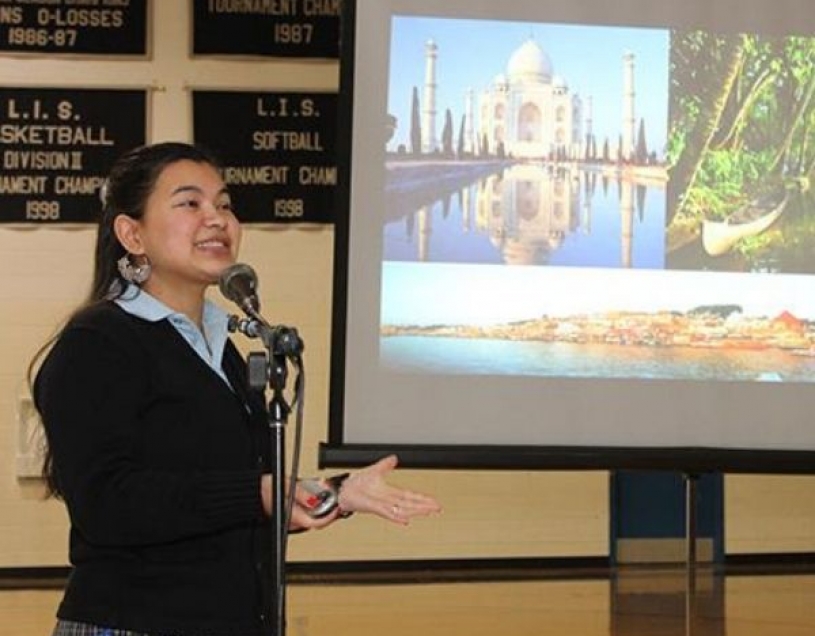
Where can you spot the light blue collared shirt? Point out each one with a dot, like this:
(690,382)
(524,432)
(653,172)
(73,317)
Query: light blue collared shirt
(209,345)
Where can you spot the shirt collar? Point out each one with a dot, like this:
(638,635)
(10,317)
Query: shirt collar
(139,303)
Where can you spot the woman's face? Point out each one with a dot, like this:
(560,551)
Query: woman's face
(188,230)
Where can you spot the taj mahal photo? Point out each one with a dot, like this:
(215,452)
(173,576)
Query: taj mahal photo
(506,140)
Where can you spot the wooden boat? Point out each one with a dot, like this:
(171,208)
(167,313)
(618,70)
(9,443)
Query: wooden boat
(718,237)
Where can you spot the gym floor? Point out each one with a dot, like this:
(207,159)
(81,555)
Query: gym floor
(628,601)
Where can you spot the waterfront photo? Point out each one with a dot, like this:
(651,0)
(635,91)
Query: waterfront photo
(593,323)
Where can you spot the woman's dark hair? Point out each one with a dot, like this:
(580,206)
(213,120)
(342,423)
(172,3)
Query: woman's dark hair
(126,191)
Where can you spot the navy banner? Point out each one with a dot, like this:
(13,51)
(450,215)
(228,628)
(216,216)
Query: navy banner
(269,28)
(278,150)
(113,27)
(57,146)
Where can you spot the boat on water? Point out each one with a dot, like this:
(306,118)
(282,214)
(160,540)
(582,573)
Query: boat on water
(719,237)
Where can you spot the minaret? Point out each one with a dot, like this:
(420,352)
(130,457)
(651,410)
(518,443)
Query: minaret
(626,222)
(589,129)
(429,141)
(469,140)
(629,126)
(425,222)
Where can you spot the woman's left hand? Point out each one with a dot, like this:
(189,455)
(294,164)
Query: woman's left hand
(366,491)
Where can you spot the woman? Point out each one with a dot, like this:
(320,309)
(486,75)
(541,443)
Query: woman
(161,455)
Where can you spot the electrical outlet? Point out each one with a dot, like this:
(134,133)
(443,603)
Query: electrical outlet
(30,439)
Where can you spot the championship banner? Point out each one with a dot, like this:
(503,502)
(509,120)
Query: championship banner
(57,146)
(278,151)
(269,28)
(71,27)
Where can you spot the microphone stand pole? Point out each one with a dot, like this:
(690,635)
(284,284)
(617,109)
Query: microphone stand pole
(272,368)
(278,417)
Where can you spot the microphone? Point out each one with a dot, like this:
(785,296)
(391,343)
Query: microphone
(239,283)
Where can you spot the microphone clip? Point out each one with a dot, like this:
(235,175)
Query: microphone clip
(279,339)
(249,327)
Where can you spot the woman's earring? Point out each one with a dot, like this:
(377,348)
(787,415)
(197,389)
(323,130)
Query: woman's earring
(136,274)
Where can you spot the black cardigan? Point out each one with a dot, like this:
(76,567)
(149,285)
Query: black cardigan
(159,463)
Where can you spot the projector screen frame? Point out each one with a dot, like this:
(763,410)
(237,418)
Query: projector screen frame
(337,452)
(686,460)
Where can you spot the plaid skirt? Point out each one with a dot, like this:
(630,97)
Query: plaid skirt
(72,628)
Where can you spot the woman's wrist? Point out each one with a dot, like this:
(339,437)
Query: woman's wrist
(336,483)
(266,493)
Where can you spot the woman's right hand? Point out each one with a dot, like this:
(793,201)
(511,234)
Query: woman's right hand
(300,517)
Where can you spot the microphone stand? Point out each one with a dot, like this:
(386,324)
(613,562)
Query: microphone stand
(278,414)
(281,343)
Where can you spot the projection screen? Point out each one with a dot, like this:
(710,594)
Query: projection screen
(576,235)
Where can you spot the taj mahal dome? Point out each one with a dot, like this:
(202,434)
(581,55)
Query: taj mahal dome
(530,110)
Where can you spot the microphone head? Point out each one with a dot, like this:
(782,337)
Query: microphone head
(239,283)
